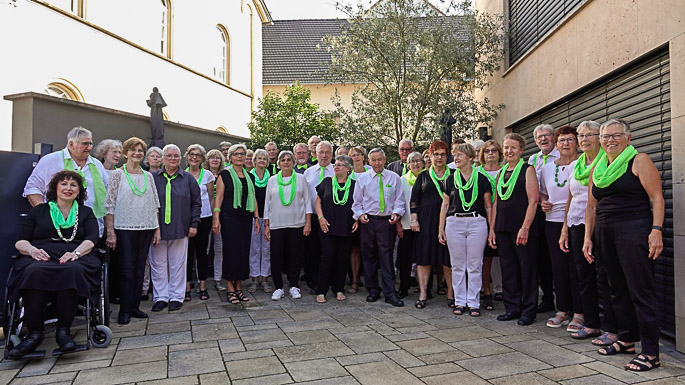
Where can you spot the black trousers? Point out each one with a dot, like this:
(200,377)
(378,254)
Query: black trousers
(519,274)
(544,259)
(623,249)
(335,258)
(592,283)
(133,247)
(404,258)
(564,271)
(36,306)
(378,241)
(197,250)
(286,247)
(312,255)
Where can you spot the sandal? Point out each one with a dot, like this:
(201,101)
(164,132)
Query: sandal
(458,310)
(187,298)
(232,298)
(487,302)
(320,298)
(617,348)
(353,289)
(340,296)
(576,324)
(604,340)
(450,303)
(204,295)
(420,304)
(558,320)
(266,287)
(474,312)
(241,296)
(586,333)
(253,287)
(499,296)
(643,363)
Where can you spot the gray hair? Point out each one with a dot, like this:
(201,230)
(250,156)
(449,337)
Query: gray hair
(312,138)
(477,144)
(258,152)
(546,127)
(404,141)
(235,147)
(105,146)
(198,147)
(611,122)
(282,155)
(225,144)
(375,150)
(347,161)
(591,124)
(211,154)
(324,143)
(170,147)
(154,149)
(300,145)
(270,144)
(413,155)
(76,133)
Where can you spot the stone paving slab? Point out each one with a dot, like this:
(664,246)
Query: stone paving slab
(254,367)
(367,342)
(315,369)
(185,362)
(381,373)
(502,365)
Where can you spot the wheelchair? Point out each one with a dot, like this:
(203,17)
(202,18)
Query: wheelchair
(96,315)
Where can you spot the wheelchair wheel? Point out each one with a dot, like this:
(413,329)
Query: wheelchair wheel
(103,306)
(101,336)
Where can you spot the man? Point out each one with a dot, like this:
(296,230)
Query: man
(314,175)
(378,205)
(301,152)
(272,149)
(400,167)
(544,138)
(313,142)
(76,157)
(223,147)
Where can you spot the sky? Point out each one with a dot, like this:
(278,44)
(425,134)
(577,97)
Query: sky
(306,9)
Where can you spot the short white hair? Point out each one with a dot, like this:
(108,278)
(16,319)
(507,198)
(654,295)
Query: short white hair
(76,133)
(257,153)
(377,150)
(404,141)
(591,124)
(312,138)
(324,143)
(154,149)
(170,147)
(235,147)
(612,122)
(546,127)
(270,144)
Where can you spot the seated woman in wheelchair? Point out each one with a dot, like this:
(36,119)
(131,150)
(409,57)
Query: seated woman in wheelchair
(55,263)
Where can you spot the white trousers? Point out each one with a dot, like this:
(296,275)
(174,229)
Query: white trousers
(218,256)
(260,253)
(168,270)
(466,238)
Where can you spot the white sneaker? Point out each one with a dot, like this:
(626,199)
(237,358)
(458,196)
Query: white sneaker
(277,295)
(295,293)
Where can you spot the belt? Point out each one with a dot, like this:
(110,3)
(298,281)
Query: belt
(463,215)
(378,216)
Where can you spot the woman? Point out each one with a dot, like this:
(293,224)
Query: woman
(490,158)
(592,279)
(55,241)
(249,164)
(405,247)
(215,164)
(235,213)
(359,167)
(197,246)
(514,211)
(627,233)
(109,152)
(464,215)
(426,200)
(426,159)
(554,190)
(333,207)
(287,218)
(153,159)
(260,256)
(132,224)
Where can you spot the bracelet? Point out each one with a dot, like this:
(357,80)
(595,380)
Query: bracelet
(216,210)
(321,217)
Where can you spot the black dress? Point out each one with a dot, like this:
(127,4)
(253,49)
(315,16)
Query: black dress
(236,227)
(339,217)
(82,275)
(426,201)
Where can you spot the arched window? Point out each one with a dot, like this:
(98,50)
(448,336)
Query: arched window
(62,88)
(223,61)
(222,129)
(76,7)
(165,41)
(165,116)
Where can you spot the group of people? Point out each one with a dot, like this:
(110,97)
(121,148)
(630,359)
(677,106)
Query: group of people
(585,229)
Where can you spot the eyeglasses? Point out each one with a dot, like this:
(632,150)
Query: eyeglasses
(193,155)
(586,136)
(566,140)
(86,144)
(416,161)
(174,156)
(615,137)
(238,154)
(490,151)
(405,149)
(543,136)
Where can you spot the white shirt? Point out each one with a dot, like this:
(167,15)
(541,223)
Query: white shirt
(132,212)
(579,193)
(558,196)
(406,191)
(367,195)
(452,165)
(293,215)
(207,177)
(538,160)
(312,174)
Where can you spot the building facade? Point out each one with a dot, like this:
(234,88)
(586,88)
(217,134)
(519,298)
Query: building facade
(574,60)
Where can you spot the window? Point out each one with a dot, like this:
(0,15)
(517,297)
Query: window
(62,88)
(222,129)
(165,40)
(76,7)
(223,46)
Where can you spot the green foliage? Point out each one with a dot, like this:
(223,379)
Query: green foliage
(412,64)
(289,119)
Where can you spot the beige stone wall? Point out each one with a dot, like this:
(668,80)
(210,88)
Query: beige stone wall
(321,93)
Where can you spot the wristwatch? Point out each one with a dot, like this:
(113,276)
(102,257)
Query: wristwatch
(657,227)
(78,253)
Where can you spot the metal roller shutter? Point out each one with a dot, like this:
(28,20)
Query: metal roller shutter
(640,94)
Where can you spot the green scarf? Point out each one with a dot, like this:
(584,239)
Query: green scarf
(509,185)
(98,183)
(410,178)
(337,188)
(471,184)
(492,179)
(581,172)
(238,190)
(293,188)
(134,188)
(261,183)
(435,178)
(58,220)
(605,174)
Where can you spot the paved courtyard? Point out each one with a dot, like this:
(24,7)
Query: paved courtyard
(299,341)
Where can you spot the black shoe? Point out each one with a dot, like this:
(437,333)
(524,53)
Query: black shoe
(159,306)
(507,317)
(403,293)
(64,339)
(29,344)
(525,321)
(394,301)
(175,305)
(545,307)
(372,298)
(124,318)
(144,297)
(137,313)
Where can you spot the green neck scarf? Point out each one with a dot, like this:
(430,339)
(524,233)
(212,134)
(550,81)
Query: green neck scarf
(261,183)
(410,177)
(98,183)
(167,197)
(134,188)
(199,178)
(238,190)
(509,185)
(581,172)
(435,178)
(58,220)
(337,188)
(605,174)
(293,187)
(471,184)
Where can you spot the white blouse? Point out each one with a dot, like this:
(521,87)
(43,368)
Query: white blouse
(576,211)
(293,215)
(131,211)
(207,177)
(557,195)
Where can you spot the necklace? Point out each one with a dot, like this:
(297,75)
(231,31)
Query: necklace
(59,222)
(132,185)
(202,174)
(293,188)
(471,184)
(337,188)
(556,177)
(509,185)
(435,178)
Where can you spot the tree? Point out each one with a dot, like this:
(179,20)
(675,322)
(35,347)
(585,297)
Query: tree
(413,63)
(290,119)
